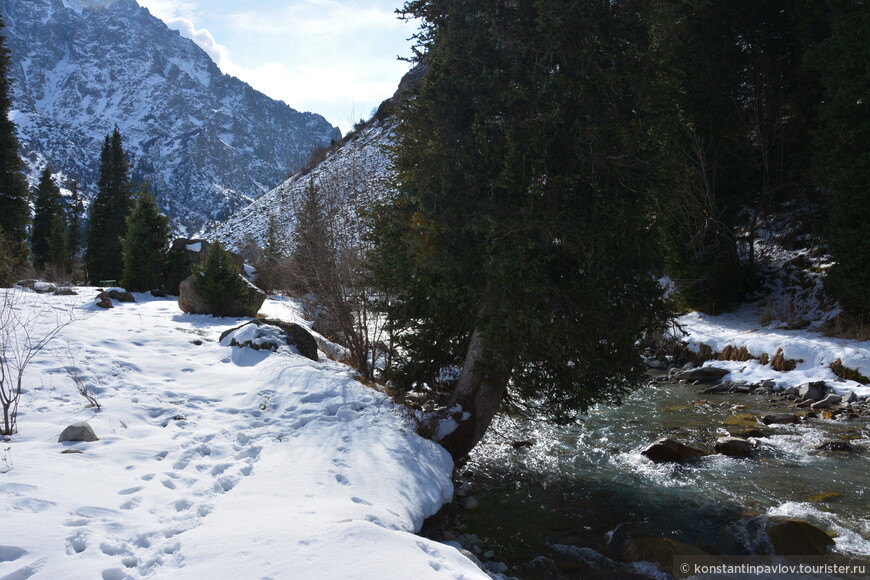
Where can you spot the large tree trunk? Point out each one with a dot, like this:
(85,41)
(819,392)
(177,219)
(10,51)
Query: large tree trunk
(479,393)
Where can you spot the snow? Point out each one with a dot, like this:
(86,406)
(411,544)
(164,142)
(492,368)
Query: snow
(195,247)
(813,351)
(213,461)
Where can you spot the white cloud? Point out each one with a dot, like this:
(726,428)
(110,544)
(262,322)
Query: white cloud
(335,58)
(206,41)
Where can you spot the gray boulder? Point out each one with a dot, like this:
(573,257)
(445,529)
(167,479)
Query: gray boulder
(702,374)
(65,291)
(667,450)
(734,447)
(270,334)
(78,432)
(192,303)
(850,397)
(815,390)
(825,403)
(118,294)
(780,419)
(44,288)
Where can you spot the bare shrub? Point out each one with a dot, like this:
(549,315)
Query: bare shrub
(28,323)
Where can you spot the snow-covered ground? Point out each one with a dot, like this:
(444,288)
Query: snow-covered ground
(213,461)
(813,351)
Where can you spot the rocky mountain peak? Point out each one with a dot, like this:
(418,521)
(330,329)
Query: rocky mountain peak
(208,143)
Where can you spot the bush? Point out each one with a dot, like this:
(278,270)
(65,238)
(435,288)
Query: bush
(219,282)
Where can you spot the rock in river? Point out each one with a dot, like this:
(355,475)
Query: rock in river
(702,374)
(734,447)
(668,450)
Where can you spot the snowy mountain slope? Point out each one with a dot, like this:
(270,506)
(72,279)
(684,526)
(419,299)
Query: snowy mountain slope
(208,142)
(213,461)
(349,180)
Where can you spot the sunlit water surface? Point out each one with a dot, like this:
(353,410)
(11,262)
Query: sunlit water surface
(575,485)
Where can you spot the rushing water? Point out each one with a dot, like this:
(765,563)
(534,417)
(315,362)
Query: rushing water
(581,487)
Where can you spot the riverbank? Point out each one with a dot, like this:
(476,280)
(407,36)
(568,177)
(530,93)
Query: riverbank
(212,460)
(573,502)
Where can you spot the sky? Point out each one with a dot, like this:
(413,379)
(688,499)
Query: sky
(337,58)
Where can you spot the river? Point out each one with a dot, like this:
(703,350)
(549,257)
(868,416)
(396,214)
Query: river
(571,495)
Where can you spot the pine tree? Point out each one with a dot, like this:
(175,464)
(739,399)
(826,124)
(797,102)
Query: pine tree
(47,206)
(842,161)
(312,251)
(218,282)
(146,245)
(108,217)
(58,248)
(14,210)
(524,207)
(75,211)
(734,132)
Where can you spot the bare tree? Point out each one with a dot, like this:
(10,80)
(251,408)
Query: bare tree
(28,323)
(330,253)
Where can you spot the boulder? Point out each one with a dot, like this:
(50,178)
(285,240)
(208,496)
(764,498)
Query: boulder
(270,334)
(825,403)
(701,374)
(734,447)
(118,294)
(184,255)
(44,288)
(27,283)
(65,291)
(78,432)
(850,397)
(793,537)
(104,301)
(780,419)
(668,450)
(192,303)
(815,390)
(838,446)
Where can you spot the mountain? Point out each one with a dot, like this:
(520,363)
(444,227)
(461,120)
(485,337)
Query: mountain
(208,143)
(350,177)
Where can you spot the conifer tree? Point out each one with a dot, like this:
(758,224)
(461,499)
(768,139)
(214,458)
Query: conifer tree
(108,216)
(219,281)
(58,245)
(312,253)
(47,210)
(524,195)
(14,210)
(842,161)
(75,211)
(146,245)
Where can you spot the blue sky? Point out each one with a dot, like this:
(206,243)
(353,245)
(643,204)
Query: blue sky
(337,58)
